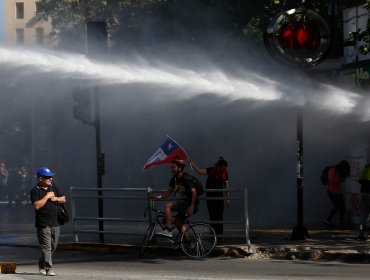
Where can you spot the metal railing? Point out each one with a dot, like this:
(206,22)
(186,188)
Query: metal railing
(75,197)
(78,196)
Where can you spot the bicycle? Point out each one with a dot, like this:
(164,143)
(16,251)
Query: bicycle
(197,241)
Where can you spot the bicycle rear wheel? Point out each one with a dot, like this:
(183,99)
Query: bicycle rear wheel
(147,238)
(198,240)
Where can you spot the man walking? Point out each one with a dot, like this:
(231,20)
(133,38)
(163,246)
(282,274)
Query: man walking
(336,176)
(45,198)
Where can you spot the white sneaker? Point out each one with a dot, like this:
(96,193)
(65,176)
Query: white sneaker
(165,232)
(50,272)
(42,271)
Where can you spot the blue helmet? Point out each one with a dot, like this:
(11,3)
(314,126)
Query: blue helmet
(44,172)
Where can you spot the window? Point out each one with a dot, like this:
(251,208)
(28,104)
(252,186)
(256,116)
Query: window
(19,32)
(19,10)
(40,35)
(39,8)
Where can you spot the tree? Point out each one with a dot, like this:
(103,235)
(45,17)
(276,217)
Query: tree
(246,18)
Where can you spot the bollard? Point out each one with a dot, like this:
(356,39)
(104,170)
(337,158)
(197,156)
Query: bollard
(8,267)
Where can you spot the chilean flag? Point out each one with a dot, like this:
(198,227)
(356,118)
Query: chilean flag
(166,154)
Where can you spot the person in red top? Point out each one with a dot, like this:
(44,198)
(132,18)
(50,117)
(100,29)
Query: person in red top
(218,178)
(336,176)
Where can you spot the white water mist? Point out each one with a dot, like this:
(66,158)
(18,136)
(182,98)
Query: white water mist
(246,85)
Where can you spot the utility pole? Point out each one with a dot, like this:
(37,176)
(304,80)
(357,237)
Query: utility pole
(96,42)
(100,165)
(299,232)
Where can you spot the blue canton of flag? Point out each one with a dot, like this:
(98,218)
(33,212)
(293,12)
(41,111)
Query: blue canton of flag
(169,146)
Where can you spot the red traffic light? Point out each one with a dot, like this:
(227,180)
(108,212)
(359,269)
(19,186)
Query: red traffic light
(299,37)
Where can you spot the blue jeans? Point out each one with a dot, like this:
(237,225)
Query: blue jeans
(48,240)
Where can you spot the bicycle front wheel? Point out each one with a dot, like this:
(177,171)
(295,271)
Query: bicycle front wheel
(198,240)
(147,238)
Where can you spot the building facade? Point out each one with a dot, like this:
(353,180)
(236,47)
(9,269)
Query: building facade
(355,73)
(24,23)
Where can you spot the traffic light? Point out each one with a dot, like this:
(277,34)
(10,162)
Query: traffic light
(298,37)
(82,105)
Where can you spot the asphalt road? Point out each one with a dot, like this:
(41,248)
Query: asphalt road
(78,265)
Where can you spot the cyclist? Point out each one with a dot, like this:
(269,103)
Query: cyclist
(187,202)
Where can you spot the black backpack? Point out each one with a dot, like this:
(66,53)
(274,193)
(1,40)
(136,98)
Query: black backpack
(324,175)
(196,183)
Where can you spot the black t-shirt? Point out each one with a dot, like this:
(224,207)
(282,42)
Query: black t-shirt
(183,186)
(46,215)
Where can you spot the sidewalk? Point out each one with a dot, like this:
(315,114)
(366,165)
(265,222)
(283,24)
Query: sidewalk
(321,245)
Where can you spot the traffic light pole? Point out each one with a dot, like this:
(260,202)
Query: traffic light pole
(299,232)
(99,165)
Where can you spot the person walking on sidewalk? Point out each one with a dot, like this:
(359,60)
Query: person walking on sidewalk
(188,202)
(45,198)
(336,176)
(218,178)
(364,180)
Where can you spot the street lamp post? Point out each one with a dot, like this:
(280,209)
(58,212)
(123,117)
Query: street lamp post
(300,38)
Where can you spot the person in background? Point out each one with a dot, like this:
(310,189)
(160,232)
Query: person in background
(364,180)
(12,191)
(45,197)
(23,175)
(4,174)
(218,178)
(336,176)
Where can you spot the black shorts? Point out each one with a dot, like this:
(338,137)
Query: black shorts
(180,206)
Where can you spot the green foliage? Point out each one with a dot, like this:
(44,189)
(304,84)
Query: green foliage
(362,36)
(246,17)
(367,4)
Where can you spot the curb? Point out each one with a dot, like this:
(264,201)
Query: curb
(99,248)
(312,254)
(221,250)
(306,253)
